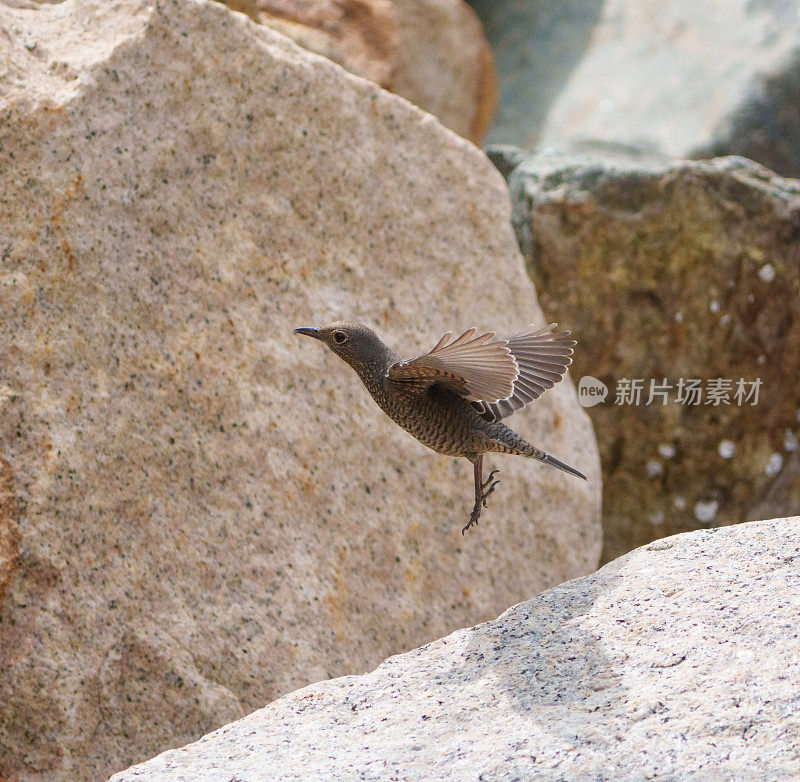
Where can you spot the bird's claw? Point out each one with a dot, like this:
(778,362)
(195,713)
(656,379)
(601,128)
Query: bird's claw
(488,486)
(489,480)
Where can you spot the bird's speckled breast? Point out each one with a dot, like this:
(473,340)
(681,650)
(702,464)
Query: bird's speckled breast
(438,418)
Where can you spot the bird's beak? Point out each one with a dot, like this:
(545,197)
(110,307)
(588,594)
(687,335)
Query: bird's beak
(309,332)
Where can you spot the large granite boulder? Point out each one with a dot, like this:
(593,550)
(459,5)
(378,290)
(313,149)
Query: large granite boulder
(211,510)
(678,78)
(678,661)
(432,52)
(686,271)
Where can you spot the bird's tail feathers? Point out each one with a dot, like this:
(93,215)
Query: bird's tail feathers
(553,462)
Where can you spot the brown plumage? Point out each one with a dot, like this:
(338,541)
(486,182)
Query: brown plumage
(453,398)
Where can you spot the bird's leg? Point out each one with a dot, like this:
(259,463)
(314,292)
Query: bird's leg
(482,490)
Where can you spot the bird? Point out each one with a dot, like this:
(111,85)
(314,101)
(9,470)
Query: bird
(454,397)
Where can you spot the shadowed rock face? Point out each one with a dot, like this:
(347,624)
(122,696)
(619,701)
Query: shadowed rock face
(679,79)
(678,658)
(667,272)
(536,46)
(212,511)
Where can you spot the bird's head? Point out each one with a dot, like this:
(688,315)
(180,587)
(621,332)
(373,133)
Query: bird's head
(358,345)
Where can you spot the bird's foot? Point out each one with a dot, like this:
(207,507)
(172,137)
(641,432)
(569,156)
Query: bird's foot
(487,487)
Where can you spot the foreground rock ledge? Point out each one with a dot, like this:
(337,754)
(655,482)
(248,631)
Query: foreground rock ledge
(679,658)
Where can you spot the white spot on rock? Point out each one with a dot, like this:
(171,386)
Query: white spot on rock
(667,450)
(654,469)
(774,464)
(726,448)
(767,272)
(790,441)
(679,503)
(657,517)
(705,511)
(714,305)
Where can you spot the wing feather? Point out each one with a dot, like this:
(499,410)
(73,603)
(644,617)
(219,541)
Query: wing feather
(542,357)
(477,368)
(497,376)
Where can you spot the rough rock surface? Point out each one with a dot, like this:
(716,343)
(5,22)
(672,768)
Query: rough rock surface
(212,510)
(678,661)
(682,79)
(432,52)
(446,64)
(687,270)
(9,532)
(360,35)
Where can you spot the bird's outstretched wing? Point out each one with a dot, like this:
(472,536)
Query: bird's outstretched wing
(474,367)
(499,376)
(542,357)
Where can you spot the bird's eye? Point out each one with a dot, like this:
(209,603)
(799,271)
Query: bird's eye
(339,337)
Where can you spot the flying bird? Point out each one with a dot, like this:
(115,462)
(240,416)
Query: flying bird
(453,398)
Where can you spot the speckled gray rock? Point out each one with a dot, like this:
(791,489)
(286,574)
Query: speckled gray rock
(677,78)
(678,661)
(674,272)
(212,511)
